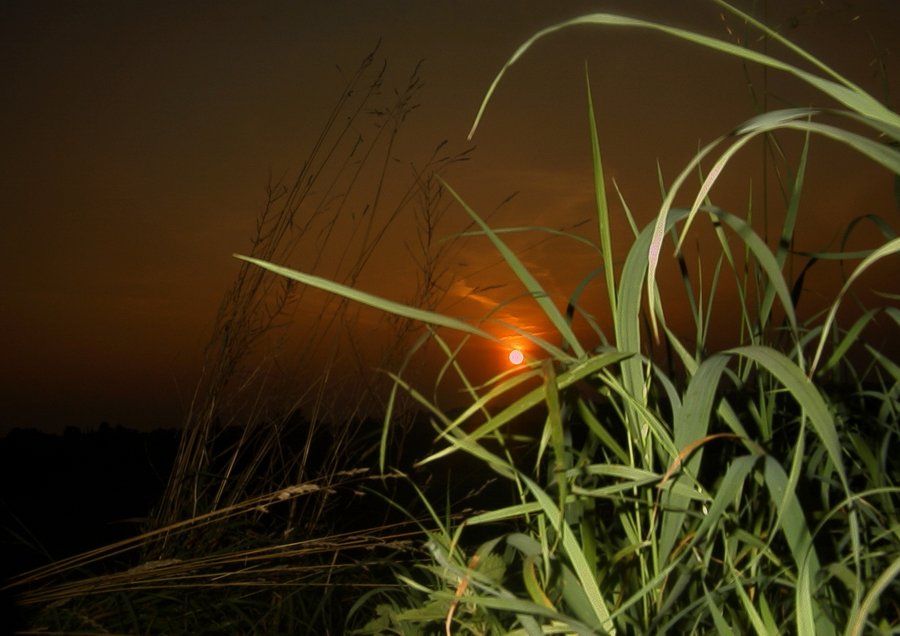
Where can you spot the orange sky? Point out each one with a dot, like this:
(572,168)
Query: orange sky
(138,139)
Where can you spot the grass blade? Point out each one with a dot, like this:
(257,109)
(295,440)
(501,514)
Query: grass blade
(377,302)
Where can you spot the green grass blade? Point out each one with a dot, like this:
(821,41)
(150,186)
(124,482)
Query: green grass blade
(847,341)
(527,229)
(727,493)
(889,248)
(557,436)
(628,315)
(881,153)
(756,620)
(719,621)
(602,205)
(857,624)
(390,306)
(691,425)
(785,244)
(844,92)
(600,431)
(810,619)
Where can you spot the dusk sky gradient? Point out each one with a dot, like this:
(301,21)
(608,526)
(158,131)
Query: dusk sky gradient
(138,139)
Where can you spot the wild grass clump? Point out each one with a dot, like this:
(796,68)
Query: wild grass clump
(675,485)
(269,522)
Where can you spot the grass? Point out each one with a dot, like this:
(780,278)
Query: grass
(743,501)
(262,525)
(669,485)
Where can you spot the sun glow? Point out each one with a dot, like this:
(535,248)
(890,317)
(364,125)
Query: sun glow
(516,356)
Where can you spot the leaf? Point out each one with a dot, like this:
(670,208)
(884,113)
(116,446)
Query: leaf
(389,306)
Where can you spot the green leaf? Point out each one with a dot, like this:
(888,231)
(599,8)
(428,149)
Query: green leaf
(389,306)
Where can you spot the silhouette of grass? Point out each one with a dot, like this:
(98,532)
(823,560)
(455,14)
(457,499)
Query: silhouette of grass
(668,485)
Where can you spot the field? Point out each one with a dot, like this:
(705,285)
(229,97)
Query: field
(628,477)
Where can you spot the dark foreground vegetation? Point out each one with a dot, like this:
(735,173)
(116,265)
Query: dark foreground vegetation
(77,493)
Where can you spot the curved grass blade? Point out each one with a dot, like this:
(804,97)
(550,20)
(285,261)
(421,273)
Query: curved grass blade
(857,624)
(880,153)
(526,229)
(848,340)
(765,259)
(891,247)
(628,315)
(844,92)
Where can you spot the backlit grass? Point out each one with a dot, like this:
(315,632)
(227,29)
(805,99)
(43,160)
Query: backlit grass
(670,485)
(732,491)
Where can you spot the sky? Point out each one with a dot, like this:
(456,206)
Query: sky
(139,139)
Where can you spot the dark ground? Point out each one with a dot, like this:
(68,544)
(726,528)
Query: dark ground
(64,494)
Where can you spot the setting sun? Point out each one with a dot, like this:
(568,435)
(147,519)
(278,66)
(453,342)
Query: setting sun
(516,357)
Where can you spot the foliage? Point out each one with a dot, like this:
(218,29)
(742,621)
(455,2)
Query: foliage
(668,485)
(731,491)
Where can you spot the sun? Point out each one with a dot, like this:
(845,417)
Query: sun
(516,356)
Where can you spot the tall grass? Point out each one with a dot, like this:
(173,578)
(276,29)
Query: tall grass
(263,526)
(246,380)
(670,484)
(733,490)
